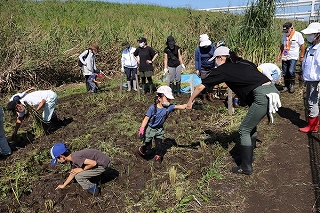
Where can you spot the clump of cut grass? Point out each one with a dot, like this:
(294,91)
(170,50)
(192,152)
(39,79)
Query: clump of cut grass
(173,175)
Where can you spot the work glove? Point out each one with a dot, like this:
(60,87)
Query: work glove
(141,132)
(122,69)
(165,71)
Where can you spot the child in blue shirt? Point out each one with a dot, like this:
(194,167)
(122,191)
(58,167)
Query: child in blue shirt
(152,124)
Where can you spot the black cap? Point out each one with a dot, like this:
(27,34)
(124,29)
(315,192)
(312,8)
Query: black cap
(170,41)
(141,39)
(286,26)
(12,105)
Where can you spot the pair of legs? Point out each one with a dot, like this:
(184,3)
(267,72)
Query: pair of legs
(175,79)
(247,129)
(146,75)
(49,106)
(93,86)
(289,73)
(131,77)
(4,146)
(83,178)
(158,135)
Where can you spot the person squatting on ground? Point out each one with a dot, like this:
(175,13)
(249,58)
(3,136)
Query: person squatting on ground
(41,99)
(93,82)
(173,64)
(88,60)
(311,75)
(152,124)
(129,65)
(292,48)
(204,64)
(250,85)
(86,164)
(5,149)
(147,56)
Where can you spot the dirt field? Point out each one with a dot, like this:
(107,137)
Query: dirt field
(286,167)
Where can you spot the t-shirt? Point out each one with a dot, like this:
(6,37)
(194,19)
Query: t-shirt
(295,43)
(145,54)
(173,56)
(79,157)
(158,119)
(240,77)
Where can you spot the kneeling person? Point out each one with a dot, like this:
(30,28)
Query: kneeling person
(86,164)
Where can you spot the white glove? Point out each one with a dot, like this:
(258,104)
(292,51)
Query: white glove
(122,69)
(182,66)
(165,71)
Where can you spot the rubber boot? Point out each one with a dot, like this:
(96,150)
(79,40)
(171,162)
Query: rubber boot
(291,86)
(178,85)
(286,85)
(237,158)
(143,86)
(312,125)
(171,85)
(210,97)
(134,84)
(151,88)
(129,86)
(246,161)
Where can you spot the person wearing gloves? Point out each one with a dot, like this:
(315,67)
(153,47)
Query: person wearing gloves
(152,124)
(291,50)
(251,86)
(88,61)
(173,64)
(129,65)
(311,75)
(147,55)
(204,64)
(86,164)
(41,99)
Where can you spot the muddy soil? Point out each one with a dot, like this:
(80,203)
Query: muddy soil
(285,179)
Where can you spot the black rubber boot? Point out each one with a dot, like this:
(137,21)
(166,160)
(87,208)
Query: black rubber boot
(143,86)
(178,86)
(171,85)
(237,158)
(151,88)
(246,161)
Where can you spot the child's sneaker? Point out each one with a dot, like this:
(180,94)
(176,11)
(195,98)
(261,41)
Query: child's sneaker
(141,151)
(94,190)
(158,158)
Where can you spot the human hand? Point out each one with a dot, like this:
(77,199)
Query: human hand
(189,105)
(165,71)
(60,187)
(122,69)
(141,132)
(198,73)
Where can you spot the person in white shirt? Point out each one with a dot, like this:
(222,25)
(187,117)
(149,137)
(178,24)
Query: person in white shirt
(88,60)
(291,50)
(272,71)
(311,76)
(129,65)
(41,99)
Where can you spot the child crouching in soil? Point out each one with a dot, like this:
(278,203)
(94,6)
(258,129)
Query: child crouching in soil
(152,124)
(86,164)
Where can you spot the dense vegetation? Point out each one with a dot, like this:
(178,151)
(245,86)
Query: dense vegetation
(41,40)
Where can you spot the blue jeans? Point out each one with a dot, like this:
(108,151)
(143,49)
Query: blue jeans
(131,73)
(289,69)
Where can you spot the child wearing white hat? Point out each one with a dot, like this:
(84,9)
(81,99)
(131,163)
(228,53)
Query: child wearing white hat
(152,124)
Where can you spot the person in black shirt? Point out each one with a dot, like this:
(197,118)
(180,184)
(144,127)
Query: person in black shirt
(147,55)
(250,85)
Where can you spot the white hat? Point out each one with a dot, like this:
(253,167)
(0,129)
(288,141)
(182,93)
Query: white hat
(204,40)
(167,91)
(222,50)
(312,28)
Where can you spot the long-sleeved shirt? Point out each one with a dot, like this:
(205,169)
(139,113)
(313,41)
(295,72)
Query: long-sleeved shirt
(89,66)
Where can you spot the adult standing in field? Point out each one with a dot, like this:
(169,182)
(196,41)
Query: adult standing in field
(291,50)
(147,55)
(311,75)
(87,58)
(252,87)
(173,64)
(41,99)
(204,64)
(129,65)
(5,149)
